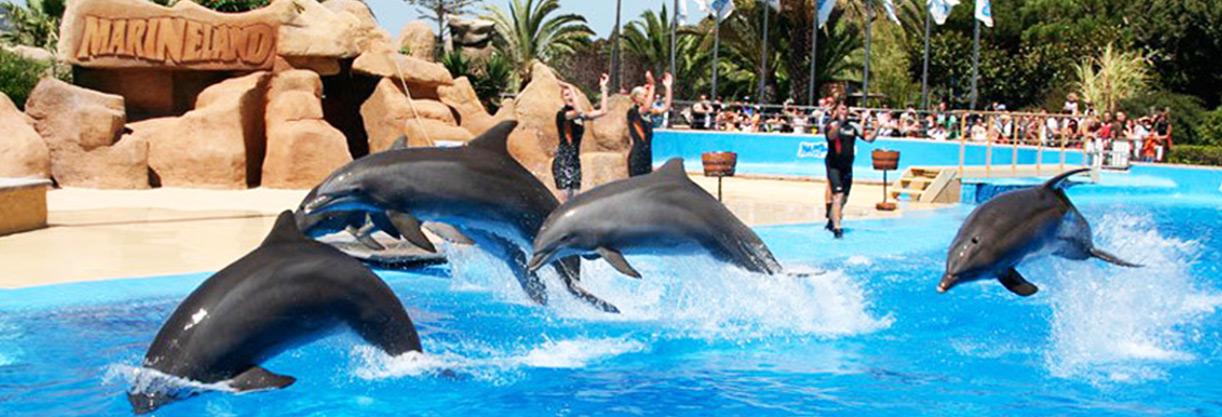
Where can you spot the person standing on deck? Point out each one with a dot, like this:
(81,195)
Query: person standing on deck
(842,136)
(640,127)
(570,123)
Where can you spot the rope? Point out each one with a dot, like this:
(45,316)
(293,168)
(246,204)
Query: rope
(410,101)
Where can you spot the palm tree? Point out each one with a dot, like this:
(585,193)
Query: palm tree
(648,40)
(529,35)
(1112,77)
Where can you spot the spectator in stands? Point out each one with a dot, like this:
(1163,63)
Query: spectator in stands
(909,123)
(1071,104)
(702,113)
(1162,128)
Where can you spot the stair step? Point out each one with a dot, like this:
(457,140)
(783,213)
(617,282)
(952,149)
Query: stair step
(908,191)
(918,179)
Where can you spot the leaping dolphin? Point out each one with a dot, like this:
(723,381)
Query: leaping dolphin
(289,291)
(1016,226)
(479,189)
(660,212)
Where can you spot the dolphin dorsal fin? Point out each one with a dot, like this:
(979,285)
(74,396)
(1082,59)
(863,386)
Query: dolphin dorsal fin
(672,168)
(400,143)
(495,139)
(285,230)
(1056,182)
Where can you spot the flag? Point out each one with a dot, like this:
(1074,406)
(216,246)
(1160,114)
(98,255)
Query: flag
(703,5)
(825,8)
(940,9)
(984,12)
(889,6)
(776,4)
(724,8)
(683,11)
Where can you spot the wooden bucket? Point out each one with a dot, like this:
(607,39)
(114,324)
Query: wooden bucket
(886,160)
(719,164)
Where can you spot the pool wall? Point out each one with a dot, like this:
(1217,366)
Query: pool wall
(791,154)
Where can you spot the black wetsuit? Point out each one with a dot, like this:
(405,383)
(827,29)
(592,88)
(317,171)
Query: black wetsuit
(566,167)
(839,161)
(640,157)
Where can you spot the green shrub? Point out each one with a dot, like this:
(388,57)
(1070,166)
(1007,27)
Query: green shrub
(1211,128)
(228,6)
(18,76)
(1195,155)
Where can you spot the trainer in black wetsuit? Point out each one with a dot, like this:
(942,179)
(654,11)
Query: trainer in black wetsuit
(842,138)
(570,124)
(640,124)
(566,167)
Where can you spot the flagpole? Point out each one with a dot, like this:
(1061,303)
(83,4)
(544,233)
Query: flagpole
(615,58)
(716,48)
(814,46)
(975,62)
(865,78)
(674,36)
(925,72)
(763,58)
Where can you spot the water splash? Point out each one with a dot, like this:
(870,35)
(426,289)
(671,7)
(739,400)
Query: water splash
(701,297)
(141,380)
(1113,324)
(499,367)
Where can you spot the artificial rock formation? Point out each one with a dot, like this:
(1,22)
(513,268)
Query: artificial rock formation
(368,35)
(416,72)
(302,149)
(220,144)
(389,113)
(462,98)
(472,37)
(23,154)
(418,38)
(81,129)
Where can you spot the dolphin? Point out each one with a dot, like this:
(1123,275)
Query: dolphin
(479,189)
(1016,226)
(660,212)
(289,291)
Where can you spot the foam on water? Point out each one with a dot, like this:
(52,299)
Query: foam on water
(143,380)
(487,364)
(1114,324)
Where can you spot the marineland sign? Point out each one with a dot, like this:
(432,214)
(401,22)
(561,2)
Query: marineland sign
(141,34)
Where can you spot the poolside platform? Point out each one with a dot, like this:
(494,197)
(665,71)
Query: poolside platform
(23,204)
(105,234)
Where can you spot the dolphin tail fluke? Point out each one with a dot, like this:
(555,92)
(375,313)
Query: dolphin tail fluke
(409,226)
(1017,284)
(258,379)
(516,259)
(570,271)
(1107,257)
(617,261)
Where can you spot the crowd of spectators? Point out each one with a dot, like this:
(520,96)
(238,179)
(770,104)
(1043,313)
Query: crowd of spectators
(1078,124)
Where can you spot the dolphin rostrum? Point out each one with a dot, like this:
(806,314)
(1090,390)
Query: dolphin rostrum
(662,212)
(1019,225)
(479,189)
(287,292)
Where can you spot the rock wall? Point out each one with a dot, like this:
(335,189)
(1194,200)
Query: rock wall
(302,149)
(23,154)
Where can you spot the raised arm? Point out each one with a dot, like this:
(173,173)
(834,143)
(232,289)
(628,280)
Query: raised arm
(602,105)
(865,121)
(668,82)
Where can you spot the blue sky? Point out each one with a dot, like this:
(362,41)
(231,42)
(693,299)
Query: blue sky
(393,14)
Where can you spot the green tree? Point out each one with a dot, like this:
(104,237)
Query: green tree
(1185,38)
(35,25)
(437,10)
(529,34)
(1111,77)
(648,40)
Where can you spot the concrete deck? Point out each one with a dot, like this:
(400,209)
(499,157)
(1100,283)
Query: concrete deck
(98,234)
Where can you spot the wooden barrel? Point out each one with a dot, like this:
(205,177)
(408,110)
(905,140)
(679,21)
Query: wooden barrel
(886,160)
(719,164)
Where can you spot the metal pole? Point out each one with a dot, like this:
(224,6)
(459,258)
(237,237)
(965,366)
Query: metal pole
(674,36)
(763,58)
(925,72)
(716,49)
(865,76)
(814,46)
(975,64)
(615,58)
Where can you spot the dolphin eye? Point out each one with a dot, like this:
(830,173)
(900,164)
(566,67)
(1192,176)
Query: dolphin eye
(975,240)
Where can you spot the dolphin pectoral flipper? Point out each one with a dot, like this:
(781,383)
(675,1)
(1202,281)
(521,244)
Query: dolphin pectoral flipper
(409,227)
(617,261)
(1016,283)
(1107,257)
(570,272)
(449,233)
(364,236)
(258,379)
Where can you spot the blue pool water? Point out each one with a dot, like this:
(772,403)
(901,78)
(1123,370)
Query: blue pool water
(870,336)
